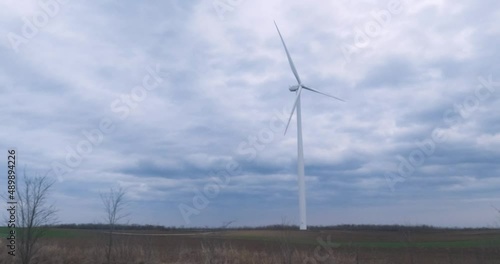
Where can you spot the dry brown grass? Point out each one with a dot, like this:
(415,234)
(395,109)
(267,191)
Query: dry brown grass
(225,253)
(216,249)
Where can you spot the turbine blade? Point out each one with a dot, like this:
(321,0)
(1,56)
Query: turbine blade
(316,91)
(293,109)
(292,66)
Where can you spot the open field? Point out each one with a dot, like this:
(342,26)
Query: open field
(272,246)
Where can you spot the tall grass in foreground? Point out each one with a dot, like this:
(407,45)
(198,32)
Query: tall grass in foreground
(214,252)
(208,252)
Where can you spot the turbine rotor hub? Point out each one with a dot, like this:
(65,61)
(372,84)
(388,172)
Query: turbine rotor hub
(294,88)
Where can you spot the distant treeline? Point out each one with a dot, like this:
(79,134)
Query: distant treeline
(350,227)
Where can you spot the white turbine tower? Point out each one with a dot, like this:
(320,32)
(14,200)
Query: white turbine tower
(300,156)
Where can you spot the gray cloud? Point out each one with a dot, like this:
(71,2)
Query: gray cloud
(226,81)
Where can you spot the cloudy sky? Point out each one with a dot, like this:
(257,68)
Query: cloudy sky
(184,104)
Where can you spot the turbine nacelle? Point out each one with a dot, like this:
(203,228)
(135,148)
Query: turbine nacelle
(294,88)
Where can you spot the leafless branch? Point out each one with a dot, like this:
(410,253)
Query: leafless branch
(114,207)
(33,214)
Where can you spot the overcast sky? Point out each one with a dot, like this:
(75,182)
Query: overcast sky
(184,104)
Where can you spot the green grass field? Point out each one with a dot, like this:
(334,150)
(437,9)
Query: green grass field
(372,239)
(51,233)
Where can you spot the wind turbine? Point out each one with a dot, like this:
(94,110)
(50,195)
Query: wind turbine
(300,155)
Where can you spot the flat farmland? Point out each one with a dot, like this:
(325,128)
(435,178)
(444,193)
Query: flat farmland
(270,246)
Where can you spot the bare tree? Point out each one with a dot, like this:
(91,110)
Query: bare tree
(407,234)
(34,214)
(114,206)
(285,241)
